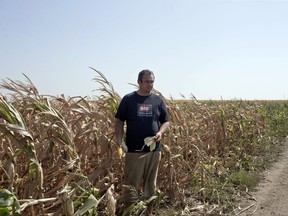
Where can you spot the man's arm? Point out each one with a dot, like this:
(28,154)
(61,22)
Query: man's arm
(119,131)
(164,127)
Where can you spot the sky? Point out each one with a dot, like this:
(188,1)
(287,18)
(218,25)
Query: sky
(212,49)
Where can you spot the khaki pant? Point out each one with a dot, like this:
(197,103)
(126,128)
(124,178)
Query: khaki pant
(140,168)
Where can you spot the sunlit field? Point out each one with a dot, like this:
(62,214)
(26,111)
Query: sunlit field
(58,154)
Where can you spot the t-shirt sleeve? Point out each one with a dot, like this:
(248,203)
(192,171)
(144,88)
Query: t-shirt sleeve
(164,116)
(122,110)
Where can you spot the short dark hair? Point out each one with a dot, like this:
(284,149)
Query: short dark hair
(144,72)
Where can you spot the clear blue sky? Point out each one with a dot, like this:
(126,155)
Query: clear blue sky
(213,49)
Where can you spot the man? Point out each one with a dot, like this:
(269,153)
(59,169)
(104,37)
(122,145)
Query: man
(146,116)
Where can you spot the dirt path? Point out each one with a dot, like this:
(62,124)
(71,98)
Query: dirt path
(271,196)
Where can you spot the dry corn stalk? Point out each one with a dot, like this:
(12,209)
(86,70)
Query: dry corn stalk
(67,202)
(111,201)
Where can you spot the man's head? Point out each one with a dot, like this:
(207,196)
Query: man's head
(145,81)
(144,72)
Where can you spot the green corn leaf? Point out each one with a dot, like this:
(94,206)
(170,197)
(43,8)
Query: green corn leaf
(90,202)
(8,203)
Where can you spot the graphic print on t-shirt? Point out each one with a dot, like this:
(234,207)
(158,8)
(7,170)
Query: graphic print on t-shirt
(144,110)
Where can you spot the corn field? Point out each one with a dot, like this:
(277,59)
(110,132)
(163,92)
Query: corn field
(58,154)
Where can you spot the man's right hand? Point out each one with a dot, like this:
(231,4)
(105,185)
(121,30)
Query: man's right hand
(124,147)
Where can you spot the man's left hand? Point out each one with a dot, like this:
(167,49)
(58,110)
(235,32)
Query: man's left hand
(158,136)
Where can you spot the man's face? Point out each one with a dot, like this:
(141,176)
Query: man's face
(146,85)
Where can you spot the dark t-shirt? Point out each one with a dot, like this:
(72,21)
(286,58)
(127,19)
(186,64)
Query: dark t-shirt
(144,116)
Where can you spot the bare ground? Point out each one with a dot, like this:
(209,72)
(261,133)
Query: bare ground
(271,195)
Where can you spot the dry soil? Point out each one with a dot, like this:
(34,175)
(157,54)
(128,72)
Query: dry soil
(271,195)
